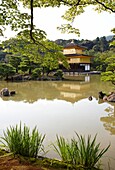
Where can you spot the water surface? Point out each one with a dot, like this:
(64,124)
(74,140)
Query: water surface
(63,108)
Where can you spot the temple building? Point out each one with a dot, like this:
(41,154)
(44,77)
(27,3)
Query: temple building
(78,61)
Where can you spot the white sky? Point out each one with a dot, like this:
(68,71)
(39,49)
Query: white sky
(90,23)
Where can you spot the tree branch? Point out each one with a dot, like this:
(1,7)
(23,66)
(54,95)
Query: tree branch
(105,6)
(68,3)
(32,26)
(84,3)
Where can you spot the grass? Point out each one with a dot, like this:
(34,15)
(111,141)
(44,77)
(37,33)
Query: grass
(22,141)
(80,152)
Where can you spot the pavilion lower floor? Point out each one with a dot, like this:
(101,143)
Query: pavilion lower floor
(77,67)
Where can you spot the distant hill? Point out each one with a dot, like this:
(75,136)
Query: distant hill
(109,37)
(98,45)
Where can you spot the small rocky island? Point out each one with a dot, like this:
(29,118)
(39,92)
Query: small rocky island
(107,97)
(6,92)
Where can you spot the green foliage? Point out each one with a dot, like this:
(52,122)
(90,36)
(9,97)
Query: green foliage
(2,55)
(67,28)
(6,70)
(12,16)
(25,55)
(101,61)
(80,152)
(97,45)
(59,74)
(99,48)
(22,141)
(14,61)
(62,149)
(37,34)
(23,67)
(108,76)
(37,72)
(113,42)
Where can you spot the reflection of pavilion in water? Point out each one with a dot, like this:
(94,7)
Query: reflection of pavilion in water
(73,92)
(109,121)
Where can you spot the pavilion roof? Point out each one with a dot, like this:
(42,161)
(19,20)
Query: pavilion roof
(73,45)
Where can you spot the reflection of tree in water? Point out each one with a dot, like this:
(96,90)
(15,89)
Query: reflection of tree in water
(33,91)
(109,121)
(71,91)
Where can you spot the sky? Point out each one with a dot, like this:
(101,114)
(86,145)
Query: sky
(91,23)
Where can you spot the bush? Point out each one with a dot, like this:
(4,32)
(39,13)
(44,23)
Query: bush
(59,74)
(36,73)
(23,142)
(79,153)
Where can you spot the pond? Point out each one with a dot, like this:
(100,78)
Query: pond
(63,108)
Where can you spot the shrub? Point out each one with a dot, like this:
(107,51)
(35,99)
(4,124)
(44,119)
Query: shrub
(23,142)
(81,152)
(37,73)
(59,74)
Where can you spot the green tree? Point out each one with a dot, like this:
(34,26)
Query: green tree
(32,55)
(6,70)
(104,46)
(97,63)
(37,73)
(2,55)
(109,74)
(14,60)
(113,42)
(36,44)
(26,64)
(12,16)
(52,58)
